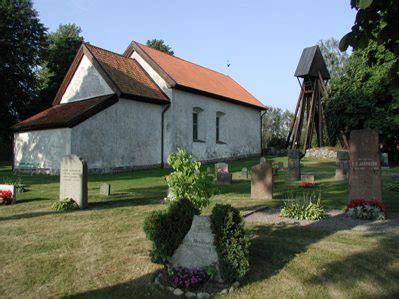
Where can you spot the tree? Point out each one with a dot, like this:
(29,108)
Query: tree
(334,58)
(22,40)
(275,127)
(160,45)
(63,45)
(363,96)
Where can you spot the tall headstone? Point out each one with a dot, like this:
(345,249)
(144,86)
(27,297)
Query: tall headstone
(342,165)
(294,164)
(364,165)
(262,181)
(197,249)
(73,180)
(12,189)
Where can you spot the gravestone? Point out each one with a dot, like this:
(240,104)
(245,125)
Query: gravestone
(384,160)
(197,249)
(307,178)
(365,165)
(12,189)
(73,180)
(294,164)
(342,165)
(244,173)
(262,160)
(224,178)
(105,189)
(262,181)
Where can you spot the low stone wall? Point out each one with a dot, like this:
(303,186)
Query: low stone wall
(329,153)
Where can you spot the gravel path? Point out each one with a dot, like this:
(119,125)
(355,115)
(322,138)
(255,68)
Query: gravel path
(336,221)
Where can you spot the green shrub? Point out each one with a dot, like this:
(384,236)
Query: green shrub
(309,208)
(231,242)
(187,180)
(167,229)
(66,204)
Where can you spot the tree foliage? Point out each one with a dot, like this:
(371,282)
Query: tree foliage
(364,97)
(63,45)
(160,45)
(275,127)
(22,40)
(334,58)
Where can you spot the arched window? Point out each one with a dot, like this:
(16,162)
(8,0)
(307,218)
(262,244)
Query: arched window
(196,123)
(219,123)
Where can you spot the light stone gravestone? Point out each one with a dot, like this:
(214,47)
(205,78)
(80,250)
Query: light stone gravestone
(294,164)
(105,189)
(307,178)
(13,191)
(197,249)
(73,180)
(262,160)
(365,165)
(262,181)
(244,173)
(384,160)
(342,165)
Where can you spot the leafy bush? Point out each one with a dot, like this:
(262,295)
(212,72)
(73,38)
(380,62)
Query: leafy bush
(66,204)
(231,242)
(167,229)
(187,180)
(366,209)
(309,208)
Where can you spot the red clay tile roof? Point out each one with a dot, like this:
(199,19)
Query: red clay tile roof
(66,115)
(124,75)
(186,75)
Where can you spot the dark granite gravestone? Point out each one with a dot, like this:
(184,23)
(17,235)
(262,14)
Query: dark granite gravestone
(342,165)
(105,189)
(294,164)
(262,181)
(73,180)
(364,165)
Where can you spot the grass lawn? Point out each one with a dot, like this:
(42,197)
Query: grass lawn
(102,251)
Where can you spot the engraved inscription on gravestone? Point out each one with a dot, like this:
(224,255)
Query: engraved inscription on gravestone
(73,180)
(197,248)
(365,166)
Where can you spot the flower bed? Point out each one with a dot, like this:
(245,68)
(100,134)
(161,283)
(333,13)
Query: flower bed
(190,279)
(6,197)
(366,209)
(306,185)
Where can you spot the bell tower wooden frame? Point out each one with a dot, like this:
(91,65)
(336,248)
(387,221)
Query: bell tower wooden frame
(312,75)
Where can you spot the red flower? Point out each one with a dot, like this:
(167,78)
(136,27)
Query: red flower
(362,202)
(6,196)
(306,184)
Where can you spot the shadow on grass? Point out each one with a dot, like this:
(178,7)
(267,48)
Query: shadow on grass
(274,246)
(141,287)
(21,201)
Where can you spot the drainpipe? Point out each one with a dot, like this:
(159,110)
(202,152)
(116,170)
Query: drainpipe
(162,134)
(261,135)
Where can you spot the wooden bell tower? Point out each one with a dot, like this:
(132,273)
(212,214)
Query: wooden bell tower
(312,75)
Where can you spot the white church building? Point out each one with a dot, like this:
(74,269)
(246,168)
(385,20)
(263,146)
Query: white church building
(128,111)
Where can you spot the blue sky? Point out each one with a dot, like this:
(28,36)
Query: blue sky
(263,40)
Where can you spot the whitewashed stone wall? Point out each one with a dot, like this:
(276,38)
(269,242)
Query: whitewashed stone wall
(86,83)
(44,147)
(126,134)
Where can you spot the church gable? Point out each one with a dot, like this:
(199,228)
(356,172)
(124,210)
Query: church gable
(86,83)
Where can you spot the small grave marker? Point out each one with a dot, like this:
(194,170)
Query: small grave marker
(307,178)
(244,173)
(105,189)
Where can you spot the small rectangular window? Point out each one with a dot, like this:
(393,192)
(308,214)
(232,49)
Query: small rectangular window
(195,126)
(217,129)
